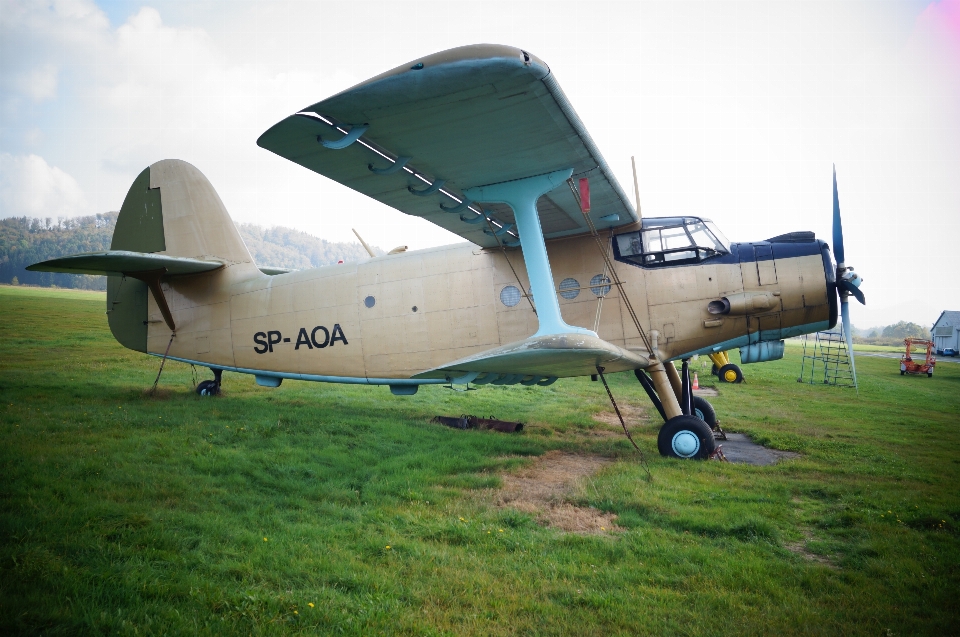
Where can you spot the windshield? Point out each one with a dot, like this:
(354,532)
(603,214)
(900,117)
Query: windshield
(719,236)
(672,240)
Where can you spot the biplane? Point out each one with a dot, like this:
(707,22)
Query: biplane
(558,275)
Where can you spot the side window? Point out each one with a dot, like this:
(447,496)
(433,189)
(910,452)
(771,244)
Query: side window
(674,238)
(652,241)
(629,244)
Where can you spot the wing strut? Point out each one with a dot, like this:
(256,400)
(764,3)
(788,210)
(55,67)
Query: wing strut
(152,279)
(609,264)
(521,195)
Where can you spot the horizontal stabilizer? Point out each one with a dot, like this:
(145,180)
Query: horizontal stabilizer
(119,262)
(557,356)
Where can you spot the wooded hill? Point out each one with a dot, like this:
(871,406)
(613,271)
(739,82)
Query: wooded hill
(281,247)
(26,240)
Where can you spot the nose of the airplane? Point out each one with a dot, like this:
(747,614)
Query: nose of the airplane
(830,276)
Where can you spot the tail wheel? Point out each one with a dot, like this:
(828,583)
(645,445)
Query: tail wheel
(704,411)
(731,373)
(686,438)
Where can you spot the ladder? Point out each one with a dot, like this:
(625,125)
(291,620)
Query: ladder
(826,360)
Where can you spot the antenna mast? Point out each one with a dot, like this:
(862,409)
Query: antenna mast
(636,185)
(363,243)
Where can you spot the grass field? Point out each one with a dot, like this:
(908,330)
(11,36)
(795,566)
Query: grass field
(857,347)
(862,347)
(325,509)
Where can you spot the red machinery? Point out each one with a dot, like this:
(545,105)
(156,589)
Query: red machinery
(909,366)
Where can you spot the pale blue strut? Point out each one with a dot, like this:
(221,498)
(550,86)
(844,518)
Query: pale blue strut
(521,195)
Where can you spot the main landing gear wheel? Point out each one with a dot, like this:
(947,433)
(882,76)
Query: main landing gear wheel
(208,388)
(714,371)
(704,411)
(686,437)
(211,387)
(730,374)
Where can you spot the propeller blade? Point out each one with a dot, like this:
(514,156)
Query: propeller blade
(837,226)
(848,336)
(846,286)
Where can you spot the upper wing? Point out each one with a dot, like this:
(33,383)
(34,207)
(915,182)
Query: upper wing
(466,117)
(124,262)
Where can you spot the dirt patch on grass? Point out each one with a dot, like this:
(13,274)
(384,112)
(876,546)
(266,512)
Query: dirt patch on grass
(800,548)
(161,393)
(632,415)
(542,488)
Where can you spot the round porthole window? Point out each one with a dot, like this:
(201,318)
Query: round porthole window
(600,285)
(569,289)
(369,301)
(510,295)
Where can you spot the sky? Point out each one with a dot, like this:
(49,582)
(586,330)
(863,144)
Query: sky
(735,111)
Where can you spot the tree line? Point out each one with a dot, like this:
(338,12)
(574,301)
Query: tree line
(28,240)
(890,334)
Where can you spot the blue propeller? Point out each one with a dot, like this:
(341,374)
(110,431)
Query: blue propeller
(837,225)
(848,281)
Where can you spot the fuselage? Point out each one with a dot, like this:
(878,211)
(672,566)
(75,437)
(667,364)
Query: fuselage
(395,316)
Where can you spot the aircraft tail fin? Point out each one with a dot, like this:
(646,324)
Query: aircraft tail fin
(172,209)
(172,223)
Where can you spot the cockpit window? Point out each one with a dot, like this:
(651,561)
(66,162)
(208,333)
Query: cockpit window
(719,236)
(671,241)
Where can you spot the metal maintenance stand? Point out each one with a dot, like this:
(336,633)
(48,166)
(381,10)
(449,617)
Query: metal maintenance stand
(826,360)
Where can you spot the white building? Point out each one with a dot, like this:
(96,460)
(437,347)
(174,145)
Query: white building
(946,331)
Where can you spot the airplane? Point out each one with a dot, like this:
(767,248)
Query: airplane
(559,276)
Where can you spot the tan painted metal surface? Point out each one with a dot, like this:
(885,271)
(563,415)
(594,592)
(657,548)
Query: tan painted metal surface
(400,315)
(451,312)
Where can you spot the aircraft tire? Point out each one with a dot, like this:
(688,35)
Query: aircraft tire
(704,411)
(686,438)
(730,373)
(208,388)
(715,370)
